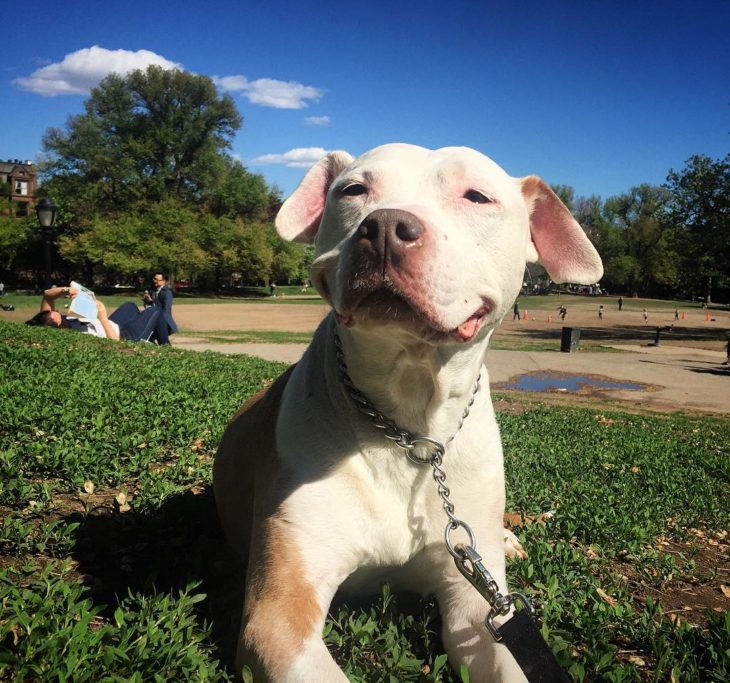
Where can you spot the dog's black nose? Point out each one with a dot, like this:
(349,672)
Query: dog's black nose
(391,230)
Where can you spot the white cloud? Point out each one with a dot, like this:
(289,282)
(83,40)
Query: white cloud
(82,70)
(317,120)
(301,157)
(271,93)
(232,83)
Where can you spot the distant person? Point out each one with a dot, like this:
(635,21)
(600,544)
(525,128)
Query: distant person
(620,303)
(645,314)
(127,322)
(727,349)
(562,312)
(2,289)
(676,314)
(161,299)
(516,311)
(272,289)
(600,312)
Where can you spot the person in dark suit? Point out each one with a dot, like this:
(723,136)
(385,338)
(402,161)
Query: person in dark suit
(162,298)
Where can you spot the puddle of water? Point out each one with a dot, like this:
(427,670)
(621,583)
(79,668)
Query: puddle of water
(540,381)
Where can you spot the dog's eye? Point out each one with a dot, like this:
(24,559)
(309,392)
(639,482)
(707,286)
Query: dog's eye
(353,190)
(476,197)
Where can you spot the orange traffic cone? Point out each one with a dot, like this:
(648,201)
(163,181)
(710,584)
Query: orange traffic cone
(550,318)
(682,315)
(526,317)
(707,318)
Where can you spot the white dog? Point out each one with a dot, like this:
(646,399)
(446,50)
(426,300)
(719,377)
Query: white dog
(420,253)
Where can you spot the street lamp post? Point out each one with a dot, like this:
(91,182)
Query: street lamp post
(46,211)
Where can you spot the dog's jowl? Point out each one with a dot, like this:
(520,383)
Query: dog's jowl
(420,254)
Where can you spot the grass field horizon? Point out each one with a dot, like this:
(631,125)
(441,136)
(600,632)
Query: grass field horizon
(293,294)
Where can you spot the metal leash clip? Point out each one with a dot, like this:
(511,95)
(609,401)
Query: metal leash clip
(469,563)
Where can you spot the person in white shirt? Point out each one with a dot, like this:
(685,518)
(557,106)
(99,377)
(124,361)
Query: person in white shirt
(124,323)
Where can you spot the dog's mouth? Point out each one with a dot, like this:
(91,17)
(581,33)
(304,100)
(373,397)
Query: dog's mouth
(469,328)
(384,306)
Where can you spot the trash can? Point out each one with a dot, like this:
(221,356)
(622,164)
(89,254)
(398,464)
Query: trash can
(570,339)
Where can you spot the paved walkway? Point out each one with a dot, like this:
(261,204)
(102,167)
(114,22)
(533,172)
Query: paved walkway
(680,378)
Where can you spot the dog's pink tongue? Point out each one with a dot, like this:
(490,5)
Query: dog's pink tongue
(467,329)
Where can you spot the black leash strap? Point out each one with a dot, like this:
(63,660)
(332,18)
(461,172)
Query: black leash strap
(525,642)
(520,633)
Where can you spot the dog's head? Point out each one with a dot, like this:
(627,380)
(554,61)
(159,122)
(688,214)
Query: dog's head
(434,242)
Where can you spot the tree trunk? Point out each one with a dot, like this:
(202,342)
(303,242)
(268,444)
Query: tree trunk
(708,298)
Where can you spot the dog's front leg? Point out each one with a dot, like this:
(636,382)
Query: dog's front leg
(284,613)
(467,640)
(463,610)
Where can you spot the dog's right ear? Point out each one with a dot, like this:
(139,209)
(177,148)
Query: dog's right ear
(299,216)
(557,240)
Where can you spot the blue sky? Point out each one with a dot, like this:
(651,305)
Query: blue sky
(600,96)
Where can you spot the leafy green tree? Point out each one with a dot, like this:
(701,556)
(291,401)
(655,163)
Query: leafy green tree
(700,209)
(15,233)
(566,194)
(165,237)
(306,263)
(588,211)
(241,193)
(144,137)
(255,254)
(286,265)
(640,216)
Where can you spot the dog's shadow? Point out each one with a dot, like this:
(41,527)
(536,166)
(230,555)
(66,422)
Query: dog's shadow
(163,551)
(179,543)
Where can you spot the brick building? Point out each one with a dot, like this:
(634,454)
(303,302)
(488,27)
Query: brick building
(18,186)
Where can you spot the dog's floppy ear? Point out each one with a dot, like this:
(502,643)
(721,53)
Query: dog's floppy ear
(561,245)
(299,216)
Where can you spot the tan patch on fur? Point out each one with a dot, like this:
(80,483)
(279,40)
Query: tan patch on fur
(281,609)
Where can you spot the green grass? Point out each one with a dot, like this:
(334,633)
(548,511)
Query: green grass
(276,337)
(251,337)
(31,302)
(514,343)
(129,579)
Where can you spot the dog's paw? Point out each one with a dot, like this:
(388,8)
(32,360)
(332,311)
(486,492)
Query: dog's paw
(512,547)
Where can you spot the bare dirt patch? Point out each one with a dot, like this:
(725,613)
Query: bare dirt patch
(680,595)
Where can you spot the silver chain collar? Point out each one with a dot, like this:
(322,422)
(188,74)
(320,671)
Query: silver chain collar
(466,558)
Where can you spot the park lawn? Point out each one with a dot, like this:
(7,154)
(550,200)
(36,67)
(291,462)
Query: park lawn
(552,301)
(250,336)
(293,295)
(31,302)
(113,567)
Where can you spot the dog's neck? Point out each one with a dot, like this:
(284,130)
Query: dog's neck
(422,387)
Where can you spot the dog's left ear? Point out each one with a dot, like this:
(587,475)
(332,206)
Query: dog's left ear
(299,216)
(561,244)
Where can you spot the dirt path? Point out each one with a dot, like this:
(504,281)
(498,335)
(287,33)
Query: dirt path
(680,375)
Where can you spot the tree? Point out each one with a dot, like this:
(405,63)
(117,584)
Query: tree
(565,193)
(145,137)
(241,193)
(164,237)
(286,264)
(14,234)
(648,261)
(700,209)
(255,255)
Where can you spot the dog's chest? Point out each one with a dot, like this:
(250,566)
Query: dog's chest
(378,507)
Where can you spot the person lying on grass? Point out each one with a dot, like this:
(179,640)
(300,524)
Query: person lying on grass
(127,322)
